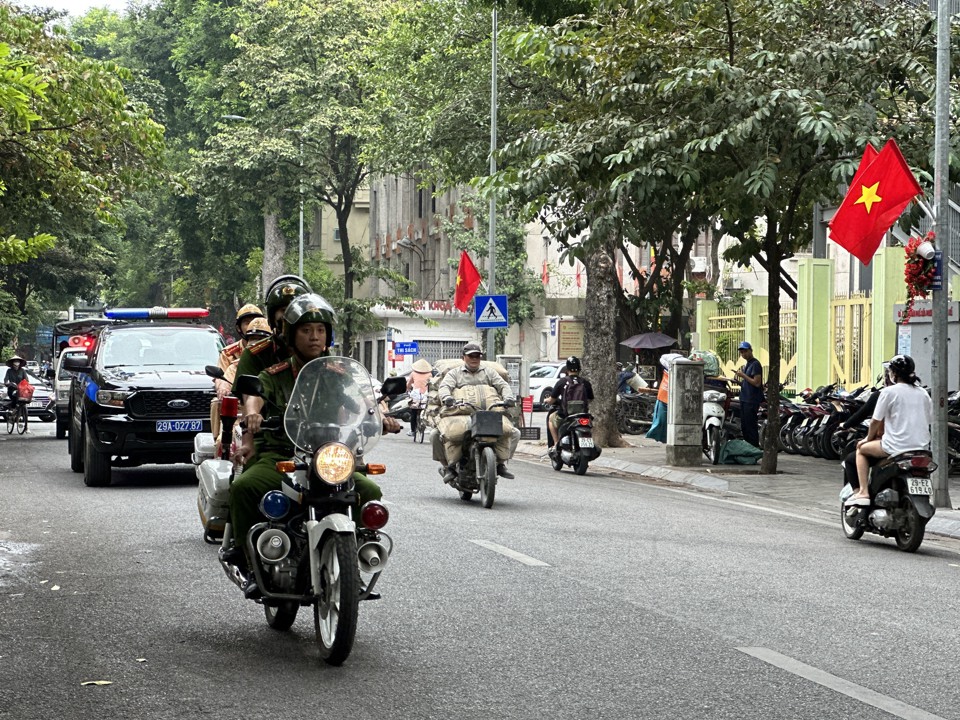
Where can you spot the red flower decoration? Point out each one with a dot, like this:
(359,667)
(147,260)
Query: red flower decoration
(918,273)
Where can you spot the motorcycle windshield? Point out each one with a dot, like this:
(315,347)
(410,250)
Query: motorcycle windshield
(333,400)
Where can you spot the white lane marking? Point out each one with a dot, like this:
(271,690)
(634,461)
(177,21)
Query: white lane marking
(845,687)
(761,508)
(512,554)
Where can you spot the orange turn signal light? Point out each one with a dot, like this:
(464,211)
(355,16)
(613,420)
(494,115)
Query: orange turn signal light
(286,466)
(376,469)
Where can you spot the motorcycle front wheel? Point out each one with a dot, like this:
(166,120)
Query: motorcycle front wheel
(280,617)
(487,475)
(712,449)
(848,521)
(910,536)
(337,607)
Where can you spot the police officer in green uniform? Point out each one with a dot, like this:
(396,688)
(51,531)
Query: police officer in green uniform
(308,331)
(257,357)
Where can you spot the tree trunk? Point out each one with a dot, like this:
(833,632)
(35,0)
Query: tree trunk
(599,358)
(347,331)
(274,248)
(771,446)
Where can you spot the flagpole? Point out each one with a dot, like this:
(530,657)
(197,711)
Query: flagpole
(940,304)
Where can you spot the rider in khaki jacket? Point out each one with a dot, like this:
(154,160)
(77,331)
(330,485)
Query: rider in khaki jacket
(452,429)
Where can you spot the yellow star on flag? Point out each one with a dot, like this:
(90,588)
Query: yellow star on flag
(868,196)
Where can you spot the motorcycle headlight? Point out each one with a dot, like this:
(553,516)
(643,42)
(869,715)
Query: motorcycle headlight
(334,463)
(112,398)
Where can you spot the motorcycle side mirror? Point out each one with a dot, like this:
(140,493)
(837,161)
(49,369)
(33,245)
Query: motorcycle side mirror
(214,371)
(249,385)
(393,386)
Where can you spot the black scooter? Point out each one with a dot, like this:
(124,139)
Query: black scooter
(900,489)
(575,446)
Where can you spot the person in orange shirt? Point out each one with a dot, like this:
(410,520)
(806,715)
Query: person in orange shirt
(658,428)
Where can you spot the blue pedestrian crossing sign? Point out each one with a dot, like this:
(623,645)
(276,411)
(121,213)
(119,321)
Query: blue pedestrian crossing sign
(490,311)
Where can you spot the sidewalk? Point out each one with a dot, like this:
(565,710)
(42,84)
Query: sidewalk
(807,482)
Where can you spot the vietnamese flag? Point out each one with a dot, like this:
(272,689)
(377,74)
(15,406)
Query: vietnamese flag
(877,196)
(468,280)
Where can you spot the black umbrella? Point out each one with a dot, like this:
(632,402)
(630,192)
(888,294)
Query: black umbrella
(649,341)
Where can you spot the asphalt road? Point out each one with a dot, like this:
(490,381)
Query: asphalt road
(592,597)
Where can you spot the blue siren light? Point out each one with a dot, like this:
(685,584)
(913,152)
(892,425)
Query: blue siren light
(155,313)
(275,505)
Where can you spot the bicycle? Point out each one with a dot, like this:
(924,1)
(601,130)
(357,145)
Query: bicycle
(16,417)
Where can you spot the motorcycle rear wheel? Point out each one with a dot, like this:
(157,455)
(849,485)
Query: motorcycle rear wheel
(909,538)
(487,475)
(280,617)
(581,463)
(336,610)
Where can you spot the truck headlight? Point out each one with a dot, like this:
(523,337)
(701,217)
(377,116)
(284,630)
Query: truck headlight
(112,398)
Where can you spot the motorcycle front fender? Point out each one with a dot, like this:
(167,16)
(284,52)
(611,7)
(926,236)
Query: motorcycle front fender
(712,420)
(921,503)
(316,529)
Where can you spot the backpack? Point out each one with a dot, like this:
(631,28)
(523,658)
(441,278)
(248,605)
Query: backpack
(574,399)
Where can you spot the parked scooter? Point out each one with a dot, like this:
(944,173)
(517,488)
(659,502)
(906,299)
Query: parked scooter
(900,489)
(715,404)
(575,446)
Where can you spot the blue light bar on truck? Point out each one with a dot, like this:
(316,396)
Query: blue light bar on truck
(155,313)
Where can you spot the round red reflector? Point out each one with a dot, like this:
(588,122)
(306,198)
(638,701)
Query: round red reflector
(374,515)
(229,406)
(584,421)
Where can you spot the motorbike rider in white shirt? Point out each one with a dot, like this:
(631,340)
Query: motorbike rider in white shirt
(901,422)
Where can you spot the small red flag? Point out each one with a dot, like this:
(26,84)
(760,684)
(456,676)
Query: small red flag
(579,275)
(468,280)
(875,200)
(545,274)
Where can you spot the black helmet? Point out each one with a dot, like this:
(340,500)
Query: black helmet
(308,308)
(573,363)
(902,366)
(281,291)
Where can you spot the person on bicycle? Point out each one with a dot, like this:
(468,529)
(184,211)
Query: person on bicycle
(16,374)
(417,382)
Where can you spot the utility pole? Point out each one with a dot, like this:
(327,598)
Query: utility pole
(300,255)
(940,367)
(492,238)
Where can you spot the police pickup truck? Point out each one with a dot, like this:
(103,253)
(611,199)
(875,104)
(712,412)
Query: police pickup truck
(141,395)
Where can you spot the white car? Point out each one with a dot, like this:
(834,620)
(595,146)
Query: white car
(543,376)
(61,387)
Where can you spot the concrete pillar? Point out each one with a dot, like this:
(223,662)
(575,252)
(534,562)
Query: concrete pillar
(889,287)
(706,309)
(685,413)
(814,292)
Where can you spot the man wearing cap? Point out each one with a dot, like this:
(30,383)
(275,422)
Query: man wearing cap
(751,394)
(473,373)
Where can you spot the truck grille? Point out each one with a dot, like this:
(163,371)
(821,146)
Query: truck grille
(155,404)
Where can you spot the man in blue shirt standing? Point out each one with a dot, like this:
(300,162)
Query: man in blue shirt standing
(751,394)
